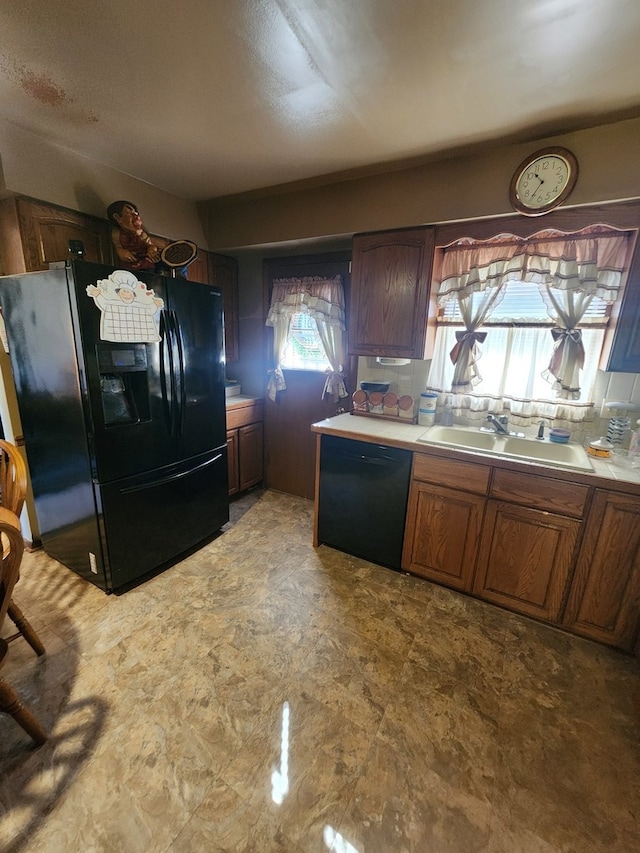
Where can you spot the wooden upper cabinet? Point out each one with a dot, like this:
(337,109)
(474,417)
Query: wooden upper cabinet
(623,356)
(46,230)
(224,274)
(390,283)
(211,268)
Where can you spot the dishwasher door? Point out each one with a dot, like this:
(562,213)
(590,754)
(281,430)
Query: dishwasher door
(362,502)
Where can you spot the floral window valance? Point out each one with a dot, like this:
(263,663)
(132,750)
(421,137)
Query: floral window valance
(322,298)
(590,261)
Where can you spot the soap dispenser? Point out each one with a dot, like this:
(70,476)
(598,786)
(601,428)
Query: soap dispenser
(447,415)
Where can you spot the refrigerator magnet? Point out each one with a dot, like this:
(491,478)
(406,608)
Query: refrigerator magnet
(130,312)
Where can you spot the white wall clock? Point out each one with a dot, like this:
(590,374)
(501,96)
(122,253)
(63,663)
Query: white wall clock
(543,181)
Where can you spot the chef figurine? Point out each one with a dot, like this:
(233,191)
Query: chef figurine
(134,248)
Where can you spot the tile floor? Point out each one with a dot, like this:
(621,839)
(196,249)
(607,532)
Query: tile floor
(265,696)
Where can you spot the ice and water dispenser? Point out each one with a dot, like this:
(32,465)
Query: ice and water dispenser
(124,383)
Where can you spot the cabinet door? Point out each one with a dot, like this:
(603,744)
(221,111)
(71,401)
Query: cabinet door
(388,306)
(232,461)
(624,355)
(198,270)
(525,559)
(46,231)
(211,268)
(224,274)
(441,538)
(250,455)
(604,602)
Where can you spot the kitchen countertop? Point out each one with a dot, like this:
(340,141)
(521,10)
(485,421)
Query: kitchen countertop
(606,472)
(241,400)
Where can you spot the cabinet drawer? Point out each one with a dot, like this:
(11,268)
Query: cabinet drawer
(238,416)
(467,476)
(540,492)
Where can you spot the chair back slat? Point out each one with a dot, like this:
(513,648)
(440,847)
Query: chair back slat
(13,477)
(10,557)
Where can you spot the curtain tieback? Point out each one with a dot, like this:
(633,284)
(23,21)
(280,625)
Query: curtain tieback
(561,337)
(468,339)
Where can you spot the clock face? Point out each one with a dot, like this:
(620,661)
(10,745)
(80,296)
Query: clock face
(543,181)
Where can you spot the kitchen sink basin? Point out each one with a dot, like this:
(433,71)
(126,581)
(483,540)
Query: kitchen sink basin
(509,447)
(566,455)
(471,439)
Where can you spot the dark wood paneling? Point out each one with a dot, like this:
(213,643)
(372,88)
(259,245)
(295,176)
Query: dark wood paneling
(290,446)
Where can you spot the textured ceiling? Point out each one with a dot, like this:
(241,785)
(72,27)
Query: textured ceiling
(215,97)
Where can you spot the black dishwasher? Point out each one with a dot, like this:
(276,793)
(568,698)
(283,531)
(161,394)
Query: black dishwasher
(362,499)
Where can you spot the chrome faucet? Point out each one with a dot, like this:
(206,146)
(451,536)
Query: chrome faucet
(500,425)
(541,426)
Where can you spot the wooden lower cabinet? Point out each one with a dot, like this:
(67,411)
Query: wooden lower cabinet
(604,603)
(525,559)
(561,552)
(245,446)
(441,538)
(232,461)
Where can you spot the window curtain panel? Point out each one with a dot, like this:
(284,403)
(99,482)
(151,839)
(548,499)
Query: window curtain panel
(466,271)
(323,299)
(570,270)
(569,274)
(521,391)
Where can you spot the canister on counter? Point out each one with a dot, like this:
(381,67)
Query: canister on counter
(390,404)
(406,407)
(601,448)
(360,401)
(375,402)
(427,408)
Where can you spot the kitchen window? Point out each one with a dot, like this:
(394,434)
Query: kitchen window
(303,349)
(308,319)
(522,322)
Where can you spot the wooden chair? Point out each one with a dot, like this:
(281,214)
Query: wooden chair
(12,550)
(13,488)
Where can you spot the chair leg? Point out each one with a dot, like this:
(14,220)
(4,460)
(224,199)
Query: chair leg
(10,703)
(22,624)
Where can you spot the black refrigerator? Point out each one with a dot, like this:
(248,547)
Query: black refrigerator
(120,385)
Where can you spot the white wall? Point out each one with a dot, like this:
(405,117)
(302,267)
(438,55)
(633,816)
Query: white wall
(31,166)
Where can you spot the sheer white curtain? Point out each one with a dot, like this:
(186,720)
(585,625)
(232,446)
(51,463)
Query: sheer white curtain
(570,273)
(469,270)
(323,299)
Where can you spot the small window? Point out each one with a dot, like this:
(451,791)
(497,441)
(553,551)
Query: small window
(304,350)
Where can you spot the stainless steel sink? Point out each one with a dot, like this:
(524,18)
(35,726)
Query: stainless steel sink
(528,449)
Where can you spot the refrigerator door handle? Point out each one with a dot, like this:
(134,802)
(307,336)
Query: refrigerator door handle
(181,396)
(165,351)
(173,384)
(171,478)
